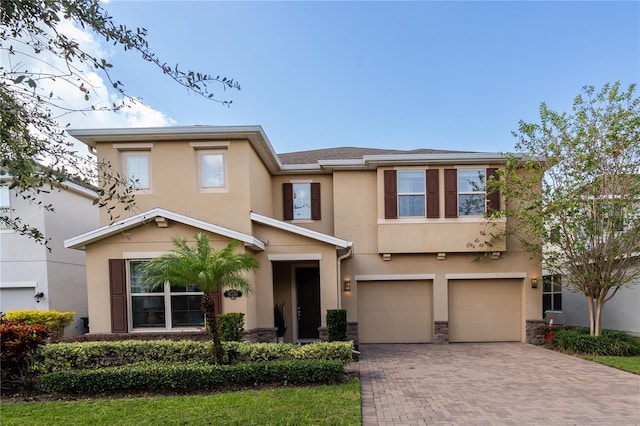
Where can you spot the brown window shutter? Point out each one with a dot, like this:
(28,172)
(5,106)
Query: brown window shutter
(118,291)
(315,201)
(287,201)
(493,194)
(433,193)
(450,193)
(390,195)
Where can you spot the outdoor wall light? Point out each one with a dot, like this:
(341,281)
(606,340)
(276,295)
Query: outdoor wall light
(534,282)
(347,285)
(38,296)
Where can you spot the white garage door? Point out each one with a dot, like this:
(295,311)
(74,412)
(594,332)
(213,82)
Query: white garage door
(395,311)
(485,310)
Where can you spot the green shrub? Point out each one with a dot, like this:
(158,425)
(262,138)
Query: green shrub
(609,343)
(18,343)
(337,325)
(190,376)
(55,321)
(230,326)
(91,355)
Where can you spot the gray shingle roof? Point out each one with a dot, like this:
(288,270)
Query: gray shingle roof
(349,153)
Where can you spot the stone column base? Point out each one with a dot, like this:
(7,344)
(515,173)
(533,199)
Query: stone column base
(352,333)
(535,332)
(260,335)
(441,332)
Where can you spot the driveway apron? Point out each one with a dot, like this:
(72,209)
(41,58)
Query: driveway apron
(491,384)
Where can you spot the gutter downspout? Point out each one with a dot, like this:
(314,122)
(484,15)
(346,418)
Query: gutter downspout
(347,255)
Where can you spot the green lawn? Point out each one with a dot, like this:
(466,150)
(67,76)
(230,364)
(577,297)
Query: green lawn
(322,405)
(628,363)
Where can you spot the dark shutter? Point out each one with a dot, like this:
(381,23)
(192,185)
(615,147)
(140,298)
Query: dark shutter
(315,201)
(118,291)
(493,193)
(433,193)
(287,201)
(450,193)
(390,195)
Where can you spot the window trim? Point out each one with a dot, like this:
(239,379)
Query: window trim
(147,155)
(315,195)
(399,194)
(483,192)
(555,279)
(199,154)
(5,210)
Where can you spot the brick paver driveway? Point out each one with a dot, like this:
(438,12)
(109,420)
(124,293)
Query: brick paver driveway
(492,384)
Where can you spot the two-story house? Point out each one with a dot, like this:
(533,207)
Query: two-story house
(31,275)
(397,238)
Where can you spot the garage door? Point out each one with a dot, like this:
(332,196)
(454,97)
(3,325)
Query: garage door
(395,311)
(485,310)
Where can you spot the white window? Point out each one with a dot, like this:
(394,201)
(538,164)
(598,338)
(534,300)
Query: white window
(411,193)
(471,192)
(5,205)
(551,293)
(138,169)
(301,201)
(212,170)
(164,307)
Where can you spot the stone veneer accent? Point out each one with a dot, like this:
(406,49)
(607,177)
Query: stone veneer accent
(352,333)
(535,332)
(261,335)
(441,332)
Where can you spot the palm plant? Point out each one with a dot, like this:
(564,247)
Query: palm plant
(204,267)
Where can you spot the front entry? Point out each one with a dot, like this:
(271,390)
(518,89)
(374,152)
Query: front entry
(308,300)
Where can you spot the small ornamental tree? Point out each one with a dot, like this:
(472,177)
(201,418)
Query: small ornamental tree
(18,342)
(208,269)
(577,188)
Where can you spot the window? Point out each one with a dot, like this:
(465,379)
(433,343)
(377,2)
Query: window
(301,201)
(5,205)
(137,169)
(165,306)
(471,192)
(411,193)
(551,293)
(212,170)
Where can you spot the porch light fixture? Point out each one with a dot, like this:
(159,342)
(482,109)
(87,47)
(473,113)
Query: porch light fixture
(38,296)
(347,285)
(534,282)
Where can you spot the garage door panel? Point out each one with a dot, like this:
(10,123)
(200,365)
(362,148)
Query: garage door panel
(395,311)
(485,310)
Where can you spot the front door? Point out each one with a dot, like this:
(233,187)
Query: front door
(308,297)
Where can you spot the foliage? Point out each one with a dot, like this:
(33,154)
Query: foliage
(206,268)
(575,193)
(231,325)
(279,320)
(150,376)
(93,355)
(609,343)
(626,363)
(30,110)
(337,404)
(337,325)
(18,343)
(55,321)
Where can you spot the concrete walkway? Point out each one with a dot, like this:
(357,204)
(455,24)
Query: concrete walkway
(491,384)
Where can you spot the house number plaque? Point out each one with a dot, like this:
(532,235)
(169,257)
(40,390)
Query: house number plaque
(232,294)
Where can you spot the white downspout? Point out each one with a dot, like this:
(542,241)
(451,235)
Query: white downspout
(348,254)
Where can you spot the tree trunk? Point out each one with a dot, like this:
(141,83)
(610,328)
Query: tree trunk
(598,321)
(589,298)
(211,321)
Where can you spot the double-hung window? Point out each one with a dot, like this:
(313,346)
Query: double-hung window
(551,293)
(301,201)
(5,205)
(211,165)
(411,193)
(164,306)
(471,192)
(138,170)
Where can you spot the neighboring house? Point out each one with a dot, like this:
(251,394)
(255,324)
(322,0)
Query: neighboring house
(28,269)
(397,238)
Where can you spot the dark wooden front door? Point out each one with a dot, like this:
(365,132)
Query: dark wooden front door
(308,291)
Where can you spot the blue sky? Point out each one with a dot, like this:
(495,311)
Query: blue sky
(402,75)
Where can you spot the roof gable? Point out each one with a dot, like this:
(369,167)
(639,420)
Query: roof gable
(285,226)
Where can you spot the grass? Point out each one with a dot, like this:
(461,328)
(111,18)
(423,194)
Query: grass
(626,363)
(322,405)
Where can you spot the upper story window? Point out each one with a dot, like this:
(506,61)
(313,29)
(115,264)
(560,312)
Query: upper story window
(211,164)
(5,205)
(138,169)
(471,192)
(411,193)
(301,201)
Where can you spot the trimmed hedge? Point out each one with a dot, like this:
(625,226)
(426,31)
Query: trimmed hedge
(337,325)
(91,355)
(55,321)
(609,343)
(191,376)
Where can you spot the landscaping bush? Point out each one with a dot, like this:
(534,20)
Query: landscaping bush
(609,343)
(190,376)
(55,321)
(337,325)
(91,355)
(230,326)
(18,343)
